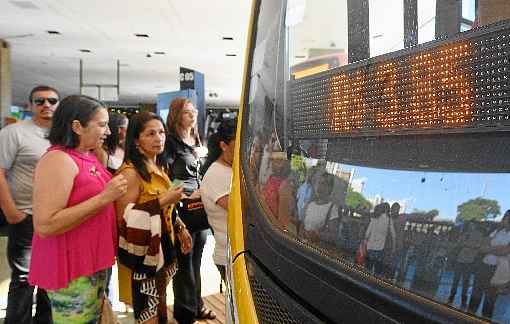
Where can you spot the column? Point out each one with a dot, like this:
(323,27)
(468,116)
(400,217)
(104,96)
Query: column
(448,16)
(5,80)
(358,34)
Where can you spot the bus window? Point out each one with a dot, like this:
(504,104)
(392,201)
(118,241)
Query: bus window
(386,36)
(393,158)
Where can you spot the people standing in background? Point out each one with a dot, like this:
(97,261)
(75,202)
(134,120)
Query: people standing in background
(398,259)
(215,187)
(499,245)
(304,195)
(21,146)
(321,218)
(75,235)
(146,230)
(379,228)
(468,247)
(184,152)
(278,191)
(111,154)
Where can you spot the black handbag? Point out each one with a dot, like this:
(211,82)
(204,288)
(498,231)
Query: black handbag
(3,223)
(193,215)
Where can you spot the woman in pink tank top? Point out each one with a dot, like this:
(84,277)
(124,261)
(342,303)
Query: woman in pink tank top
(74,217)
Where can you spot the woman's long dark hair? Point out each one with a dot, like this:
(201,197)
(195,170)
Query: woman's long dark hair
(76,107)
(116,120)
(225,133)
(136,126)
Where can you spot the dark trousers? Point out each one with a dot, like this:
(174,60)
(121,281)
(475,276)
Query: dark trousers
(463,270)
(223,274)
(374,261)
(223,271)
(187,282)
(481,286)
(20,296)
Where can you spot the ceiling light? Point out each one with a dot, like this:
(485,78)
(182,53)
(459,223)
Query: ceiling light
(142,35)
(24,4)
(228,38)
(159,53)
(84,50)
(230,54)
(53,32)
(18,36)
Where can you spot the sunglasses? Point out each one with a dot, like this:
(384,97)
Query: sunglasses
(40,101)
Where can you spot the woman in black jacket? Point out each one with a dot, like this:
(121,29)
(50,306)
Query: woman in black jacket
(184,151)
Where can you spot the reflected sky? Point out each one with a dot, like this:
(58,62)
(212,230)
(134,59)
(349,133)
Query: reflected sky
(424,191)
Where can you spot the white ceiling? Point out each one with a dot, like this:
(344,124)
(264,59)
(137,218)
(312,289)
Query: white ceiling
(189,32)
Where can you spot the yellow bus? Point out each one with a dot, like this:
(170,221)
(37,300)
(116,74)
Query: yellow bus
(373,191)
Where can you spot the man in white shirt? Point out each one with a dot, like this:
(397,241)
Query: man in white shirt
(21,146)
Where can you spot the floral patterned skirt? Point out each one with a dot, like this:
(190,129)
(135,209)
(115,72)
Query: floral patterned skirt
(81,301)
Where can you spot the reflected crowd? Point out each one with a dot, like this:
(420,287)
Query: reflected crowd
(463,263)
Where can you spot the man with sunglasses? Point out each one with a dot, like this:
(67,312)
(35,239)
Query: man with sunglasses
(21,145)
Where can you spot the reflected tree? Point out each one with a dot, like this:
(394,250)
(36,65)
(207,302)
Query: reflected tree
(478,209)
(356,200)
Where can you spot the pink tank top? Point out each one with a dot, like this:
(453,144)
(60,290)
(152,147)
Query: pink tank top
(86,249)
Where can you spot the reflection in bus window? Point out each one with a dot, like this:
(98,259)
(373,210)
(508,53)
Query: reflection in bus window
(320,220)
(426,20)
(380,237)
(424,231)
(386,36)
(278,189)
(313,49)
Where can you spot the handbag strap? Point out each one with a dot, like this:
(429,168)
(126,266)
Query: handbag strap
(328,216)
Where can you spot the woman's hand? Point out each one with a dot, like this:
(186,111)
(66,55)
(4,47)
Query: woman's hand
(195,194)
(173,195)
(115,188)
(185,240)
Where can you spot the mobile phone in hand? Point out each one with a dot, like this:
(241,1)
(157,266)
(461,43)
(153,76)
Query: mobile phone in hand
(177,183)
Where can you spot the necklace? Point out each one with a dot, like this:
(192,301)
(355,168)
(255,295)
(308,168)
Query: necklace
(224,162)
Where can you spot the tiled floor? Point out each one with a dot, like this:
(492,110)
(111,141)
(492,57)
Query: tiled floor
(210,286)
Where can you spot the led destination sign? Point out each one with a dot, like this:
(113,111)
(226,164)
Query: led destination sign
(446,85)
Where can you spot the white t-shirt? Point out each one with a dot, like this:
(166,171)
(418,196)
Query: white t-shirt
(114,162)
(377,232)
(21,146)
(216,184)
(498,238)
(316,215)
